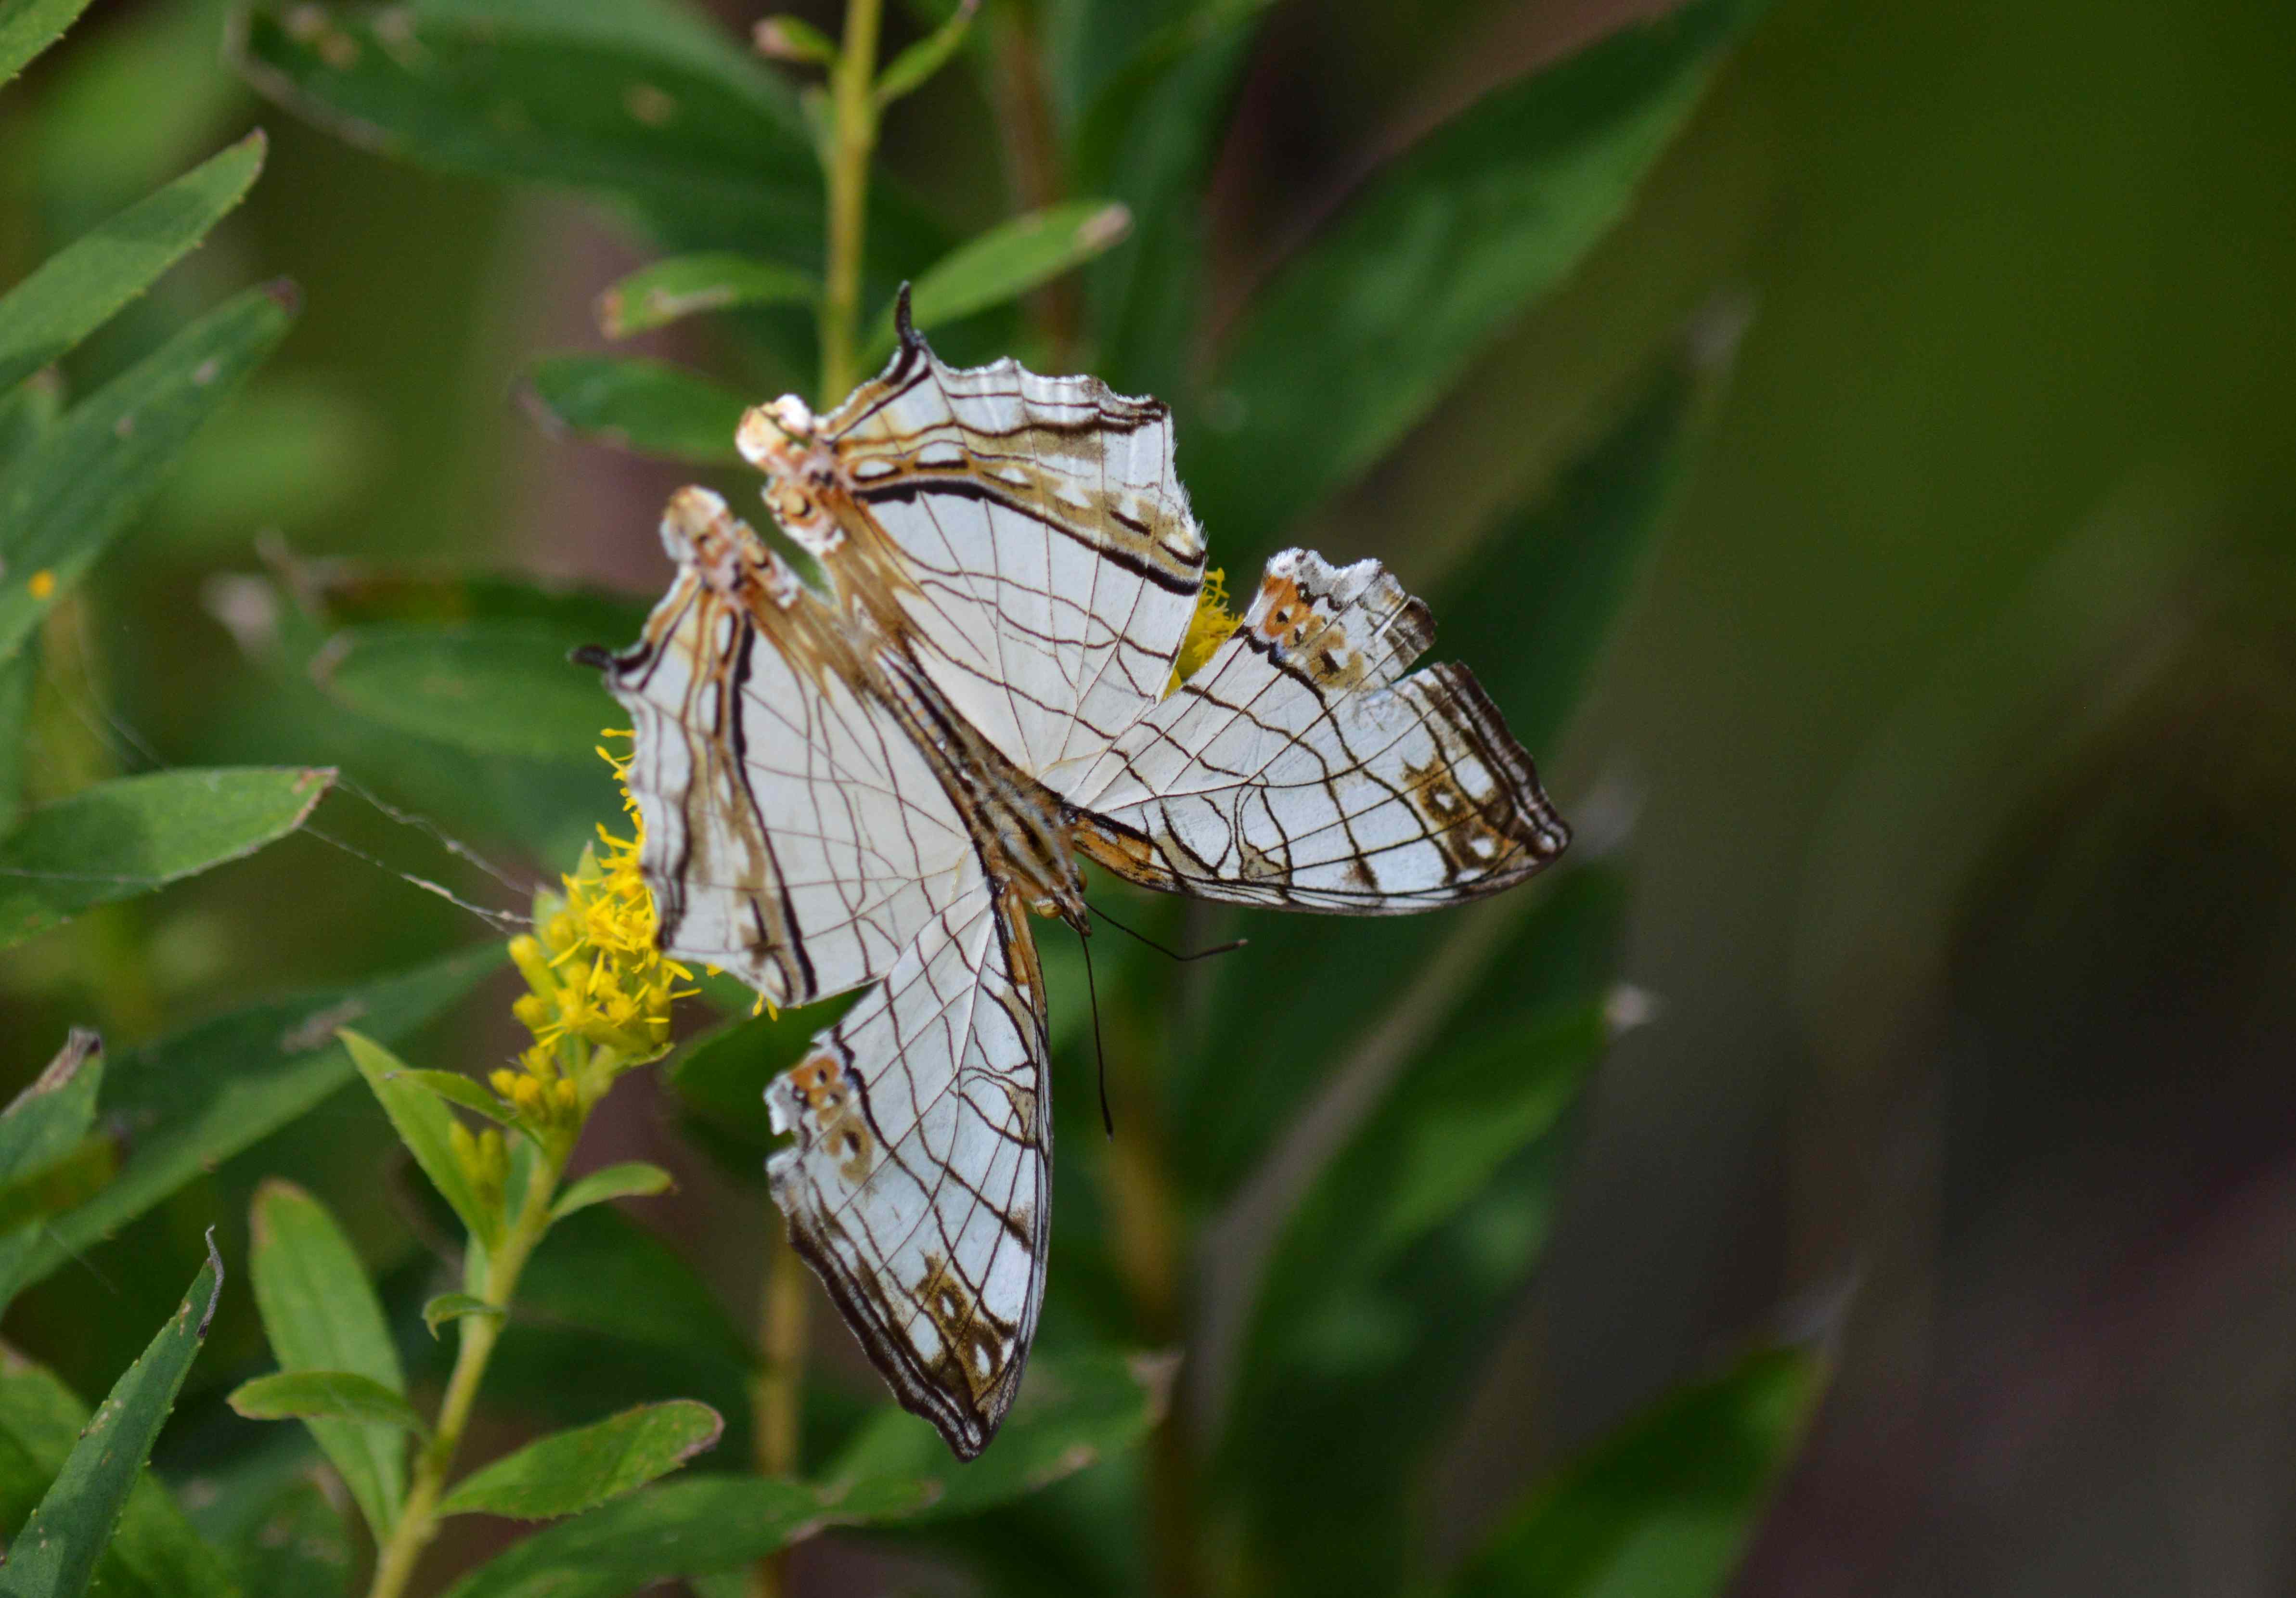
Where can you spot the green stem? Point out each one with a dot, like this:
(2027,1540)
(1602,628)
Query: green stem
(853,139)
(777,1388)
(418,1522)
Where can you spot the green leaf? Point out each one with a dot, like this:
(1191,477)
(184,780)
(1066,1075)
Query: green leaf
(77,290)
(656,295)
(648,407)
(190,1101)
(1006,262)
(63,502)
(20,674)
(155,1553)
(1353,340)
(599,1271)
(501,689)
(684,1528)
(1662,1508)
(720,1079)
(1074,1410)
(1398,1269)
(323,1318)
(570,1471)
(785,37)
(424,1126)
(27,411)
(456,1088)
(635,1179)
(629,98)
(912,67)
(133,834)
(70,1179)
(27,27)
(342,1397)
(55,1554)
(297,1547)
(454,1306)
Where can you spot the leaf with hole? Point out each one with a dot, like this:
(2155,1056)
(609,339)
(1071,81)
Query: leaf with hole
(322,1317)
(569,1471)
(63,501)
(133,834)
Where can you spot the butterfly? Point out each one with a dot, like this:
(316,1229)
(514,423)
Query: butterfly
(869,774)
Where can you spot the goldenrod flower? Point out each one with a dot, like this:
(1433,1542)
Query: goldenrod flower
(598,991)
(1208,628)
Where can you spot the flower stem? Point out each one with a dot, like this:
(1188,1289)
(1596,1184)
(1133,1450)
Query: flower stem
(853,139)
(777,1389)
(418,1522)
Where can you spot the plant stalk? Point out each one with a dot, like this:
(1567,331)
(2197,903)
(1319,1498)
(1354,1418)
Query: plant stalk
(853,139)
(418,1522)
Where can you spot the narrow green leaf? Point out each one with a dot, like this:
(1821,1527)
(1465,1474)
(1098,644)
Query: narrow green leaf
(911,70)
(656,295)
(1662,1508)
(64,500)
(456,1088)
(454,1306)
(500,689)
(47,1120)
(55,1554)
(1074,1411)
(155,1553)
(27,27)
(27,411)
(1352,342)
(133,834)
(297,1547)
(648,407)
(1006,262)
(569,1471)
(69,1180)
(637,1179)
(20,674)
(342,1397)
(321,1316)
(77,290)
(684,1528)
(1398,1269)
(424,1126)
(190,1101)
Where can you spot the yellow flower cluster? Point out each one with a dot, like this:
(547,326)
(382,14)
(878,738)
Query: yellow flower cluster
(598,991)
(1208,628)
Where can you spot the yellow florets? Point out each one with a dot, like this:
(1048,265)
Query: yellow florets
(598,991)
(1208,628)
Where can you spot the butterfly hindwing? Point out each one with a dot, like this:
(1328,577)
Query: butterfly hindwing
(1299,767)
(919,1178)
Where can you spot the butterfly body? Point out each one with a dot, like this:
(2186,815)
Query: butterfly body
(873,782)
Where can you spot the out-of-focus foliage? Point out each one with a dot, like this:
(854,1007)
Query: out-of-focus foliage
(1911,681)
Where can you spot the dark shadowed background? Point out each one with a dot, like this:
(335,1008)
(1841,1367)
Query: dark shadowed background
(1949,746)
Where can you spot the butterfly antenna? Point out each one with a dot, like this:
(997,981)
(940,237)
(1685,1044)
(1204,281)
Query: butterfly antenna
(1092,989)
(1224,948)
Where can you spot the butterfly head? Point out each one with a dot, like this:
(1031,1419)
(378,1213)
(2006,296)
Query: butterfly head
(784,441)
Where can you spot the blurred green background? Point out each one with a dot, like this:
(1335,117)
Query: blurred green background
(1950,744)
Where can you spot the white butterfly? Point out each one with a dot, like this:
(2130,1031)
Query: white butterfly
(869,781)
